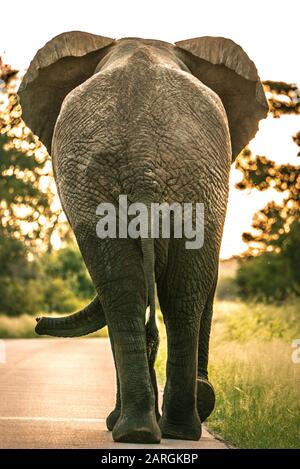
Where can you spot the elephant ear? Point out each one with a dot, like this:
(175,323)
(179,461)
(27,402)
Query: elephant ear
(62,64)
(224,67)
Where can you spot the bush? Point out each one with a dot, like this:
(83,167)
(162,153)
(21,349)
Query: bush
(241,321)
(58,297)
(67,264)
(227,288)
(268,277)
(19,290)
(57,281)
(20,296)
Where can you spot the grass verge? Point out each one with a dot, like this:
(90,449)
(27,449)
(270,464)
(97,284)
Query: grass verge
(256,382)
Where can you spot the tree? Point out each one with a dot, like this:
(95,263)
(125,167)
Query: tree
(272,224)
(19,292)
(284,98)
(67,265)
(26,209)
(27,218)
(272,267)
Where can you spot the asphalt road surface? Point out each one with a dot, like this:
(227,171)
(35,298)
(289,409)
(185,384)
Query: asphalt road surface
(56,393)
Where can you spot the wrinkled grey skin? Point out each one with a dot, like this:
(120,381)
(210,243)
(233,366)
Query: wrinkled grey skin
(144,126)
(138,127)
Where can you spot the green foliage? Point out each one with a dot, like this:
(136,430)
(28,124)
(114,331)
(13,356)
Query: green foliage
(22,165)
(67,264)
(227,288)
(58,297)
(268,277)
(19,296)
(290,249)
(273,223)
(57,281)
(28,219)
(240,321)
(66,282)
(26,182)
(22,201)
(273,276)
(19,291)
(276,272)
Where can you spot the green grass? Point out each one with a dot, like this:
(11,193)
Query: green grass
(258,400)
(241,321)
(22,327)
(257,385)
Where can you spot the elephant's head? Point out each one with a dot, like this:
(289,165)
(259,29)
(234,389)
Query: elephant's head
(71,58)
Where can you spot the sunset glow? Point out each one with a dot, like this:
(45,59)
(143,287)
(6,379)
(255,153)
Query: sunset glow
(250,29)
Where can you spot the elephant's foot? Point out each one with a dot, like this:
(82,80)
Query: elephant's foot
(112,418)
(189,429)
(206,398)
(141,428)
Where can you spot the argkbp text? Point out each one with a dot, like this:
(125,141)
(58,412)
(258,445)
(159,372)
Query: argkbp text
(140,220)
(158,458)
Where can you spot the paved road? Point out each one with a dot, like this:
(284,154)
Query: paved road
(56,393)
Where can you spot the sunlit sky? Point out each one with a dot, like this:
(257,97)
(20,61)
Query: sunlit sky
(266,29)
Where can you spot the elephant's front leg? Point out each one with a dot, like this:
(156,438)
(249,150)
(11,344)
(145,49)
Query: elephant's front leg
(137,420)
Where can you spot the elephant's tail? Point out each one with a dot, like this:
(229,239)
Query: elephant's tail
(152,335)
(92,318)
(87,320)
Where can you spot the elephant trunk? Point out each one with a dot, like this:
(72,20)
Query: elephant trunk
(87,320)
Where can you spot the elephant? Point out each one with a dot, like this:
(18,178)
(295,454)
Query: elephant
(160,123)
